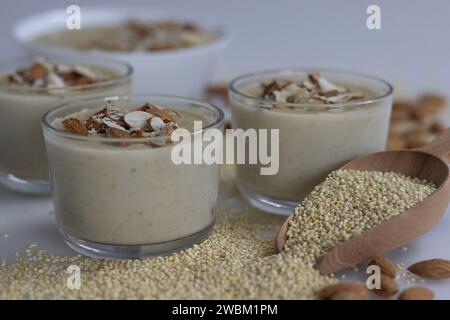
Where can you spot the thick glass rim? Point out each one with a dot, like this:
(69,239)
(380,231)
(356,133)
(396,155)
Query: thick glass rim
(219,119)
(123,76)
(233,88)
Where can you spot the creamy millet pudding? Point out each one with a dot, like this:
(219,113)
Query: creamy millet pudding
(132,36)
(30,90)
(324,119)
(116,191)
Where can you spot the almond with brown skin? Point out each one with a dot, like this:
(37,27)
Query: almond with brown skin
(388,286)
(431,269)
(416,293)
(91,124)
(269,89)
(75,126)
(169,128)
(387,267)
(354,288)
(138,134)
(330,93)
(157,112)
(117,133)
(37,71)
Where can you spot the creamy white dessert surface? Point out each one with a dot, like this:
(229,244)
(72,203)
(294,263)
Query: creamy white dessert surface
(311,143)
(131,36)
(129,195)
(21,109)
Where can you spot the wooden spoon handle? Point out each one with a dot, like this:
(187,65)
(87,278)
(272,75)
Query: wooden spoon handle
(440,146)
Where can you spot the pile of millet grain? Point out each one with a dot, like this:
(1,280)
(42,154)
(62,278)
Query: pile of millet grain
(235,261)
(348,203)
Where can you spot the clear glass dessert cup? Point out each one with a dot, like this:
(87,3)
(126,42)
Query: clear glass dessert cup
(121,198)
(314,139)
(23,161)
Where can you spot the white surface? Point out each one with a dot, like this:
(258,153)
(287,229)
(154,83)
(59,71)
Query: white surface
(411,51)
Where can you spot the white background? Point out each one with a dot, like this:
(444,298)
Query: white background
(411,51)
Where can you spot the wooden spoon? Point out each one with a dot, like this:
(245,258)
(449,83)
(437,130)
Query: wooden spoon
(428,163)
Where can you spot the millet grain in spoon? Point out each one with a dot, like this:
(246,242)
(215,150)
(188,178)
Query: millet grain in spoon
(345,205)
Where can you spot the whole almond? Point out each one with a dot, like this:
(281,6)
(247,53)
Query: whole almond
(355,288)
(431,269)
(388,286)
(75,126)
(416,293)
(387,267)
(350,295)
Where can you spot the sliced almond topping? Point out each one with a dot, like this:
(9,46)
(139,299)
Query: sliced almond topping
(93,124)
(326,85)
(169,128)
(138,133)
(47,74)
(116,123)
(330,93)
(137,119)
(112,124)
(315,89)
(154,110)
(156,123)
(117,133)
(75,126)
(36,71)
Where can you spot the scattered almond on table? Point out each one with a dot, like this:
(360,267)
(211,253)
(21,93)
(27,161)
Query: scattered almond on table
(416,123)
(431,269)
(344,291)
(416,293)
(388,287)
(387,267)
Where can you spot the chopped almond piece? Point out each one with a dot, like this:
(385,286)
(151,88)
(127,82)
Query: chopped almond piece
(36,72)
(157,112)
(75,126)
(117,133)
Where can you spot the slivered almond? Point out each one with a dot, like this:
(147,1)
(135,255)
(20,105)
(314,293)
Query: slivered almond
(416,293)
(75,126)
(354,288)
(387,267)
(330,93)
(157,112)
(156,123)
(431,269)
(137,119)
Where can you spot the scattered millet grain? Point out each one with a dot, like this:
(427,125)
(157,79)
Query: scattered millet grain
(235,261)
(345,205)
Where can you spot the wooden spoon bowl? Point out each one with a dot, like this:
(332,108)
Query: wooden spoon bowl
(426,163)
